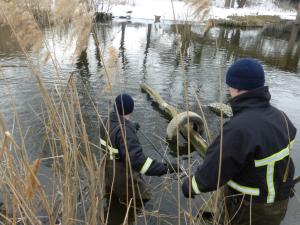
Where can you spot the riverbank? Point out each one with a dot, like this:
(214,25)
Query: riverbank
(180,11)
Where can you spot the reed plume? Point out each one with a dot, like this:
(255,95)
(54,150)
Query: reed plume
(75,14)
(22,22)
(200,8)
(31,180)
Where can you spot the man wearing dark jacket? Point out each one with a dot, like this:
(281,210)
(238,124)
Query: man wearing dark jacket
(127,161)
(256,167)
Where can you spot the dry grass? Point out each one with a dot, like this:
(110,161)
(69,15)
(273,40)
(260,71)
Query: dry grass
(22,22)
(77,15)
(200,7)
(31,181)
(77,179)
(246,21)
(25,18)
(78,184)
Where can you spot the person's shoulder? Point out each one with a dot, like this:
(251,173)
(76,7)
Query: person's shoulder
(129,125)
(240,123)
(242,118)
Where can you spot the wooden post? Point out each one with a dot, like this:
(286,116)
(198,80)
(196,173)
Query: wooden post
(294,33)
(232,3)
(148,38)
(297,22)
(122,44)
(147,49)
(241,3)
(227,3)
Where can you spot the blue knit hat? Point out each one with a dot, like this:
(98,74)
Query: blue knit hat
(245,74)
(124,104)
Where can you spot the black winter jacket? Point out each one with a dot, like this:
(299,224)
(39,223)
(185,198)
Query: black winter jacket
(255,151)
(135,151)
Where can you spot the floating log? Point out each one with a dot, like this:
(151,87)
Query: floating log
(195,138)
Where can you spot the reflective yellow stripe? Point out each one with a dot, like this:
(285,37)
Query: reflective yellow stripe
(112,151)
(270,182)
(243,189)
(146,165)
(275,157)
(270,163)
(195,186)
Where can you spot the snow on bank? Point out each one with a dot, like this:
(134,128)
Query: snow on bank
(147,9)
(221,13)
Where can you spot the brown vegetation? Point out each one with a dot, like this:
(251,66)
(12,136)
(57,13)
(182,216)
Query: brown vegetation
(200,7)
(246,21)
(22,23)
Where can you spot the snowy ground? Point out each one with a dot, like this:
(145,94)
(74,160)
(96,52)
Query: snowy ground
(147,9)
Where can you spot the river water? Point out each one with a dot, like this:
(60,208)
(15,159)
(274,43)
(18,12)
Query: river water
(178,67)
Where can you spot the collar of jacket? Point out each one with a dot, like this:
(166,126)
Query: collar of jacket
(114,117)
(257,98)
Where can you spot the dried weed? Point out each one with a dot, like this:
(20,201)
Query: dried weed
(22,23)
(31,180)
(200,7)
(78,17)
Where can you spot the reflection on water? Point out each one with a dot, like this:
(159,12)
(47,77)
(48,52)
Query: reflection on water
(282,52)
(152,53)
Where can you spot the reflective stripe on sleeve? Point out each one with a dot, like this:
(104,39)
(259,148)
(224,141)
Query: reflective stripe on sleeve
(146,166)
(195,186)
(112,151)
(270,163)
(275,157)
(243,189)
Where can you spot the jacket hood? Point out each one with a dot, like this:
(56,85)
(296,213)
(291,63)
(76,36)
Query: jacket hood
(257,98)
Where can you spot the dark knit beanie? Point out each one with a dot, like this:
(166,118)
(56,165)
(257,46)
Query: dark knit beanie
(124,104)
(245,74)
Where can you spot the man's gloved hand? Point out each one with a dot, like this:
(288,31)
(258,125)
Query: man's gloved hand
(137,126)
(185,189)
(172,167)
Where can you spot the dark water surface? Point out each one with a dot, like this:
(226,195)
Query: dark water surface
(135,53)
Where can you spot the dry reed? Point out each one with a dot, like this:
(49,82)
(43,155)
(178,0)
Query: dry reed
(31,181)
(65,134)
(13,14)
(77,16)
(200,8)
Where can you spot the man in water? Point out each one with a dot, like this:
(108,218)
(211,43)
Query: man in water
(124,171)
(256,168)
